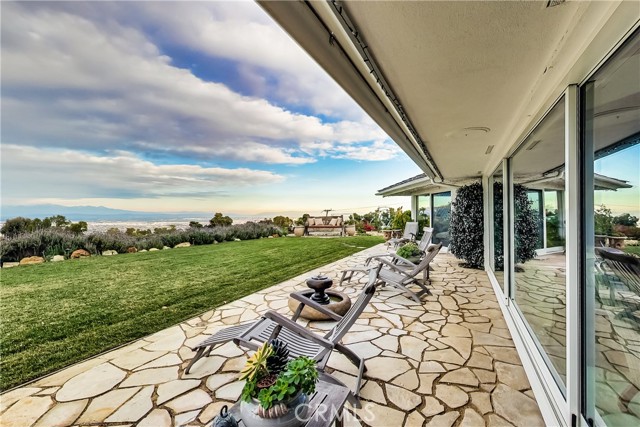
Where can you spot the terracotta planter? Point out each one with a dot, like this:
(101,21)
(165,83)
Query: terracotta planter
(350,230)
(387,234)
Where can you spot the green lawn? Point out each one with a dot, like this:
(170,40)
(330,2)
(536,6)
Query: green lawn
(632,250)
(55,314)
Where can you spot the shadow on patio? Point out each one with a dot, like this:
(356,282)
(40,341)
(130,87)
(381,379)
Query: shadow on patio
(448,361)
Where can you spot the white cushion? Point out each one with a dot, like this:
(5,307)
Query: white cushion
(334,221)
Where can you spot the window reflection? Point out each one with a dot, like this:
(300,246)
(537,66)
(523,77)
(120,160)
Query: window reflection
(540,273)
(441,217)
(612,133)
(497,261)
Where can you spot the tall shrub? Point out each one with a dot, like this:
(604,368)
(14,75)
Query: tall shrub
(466,228)
(467,225)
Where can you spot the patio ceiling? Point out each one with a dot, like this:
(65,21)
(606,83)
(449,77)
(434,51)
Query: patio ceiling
(464,76)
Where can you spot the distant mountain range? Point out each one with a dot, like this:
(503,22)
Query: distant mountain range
(92,213)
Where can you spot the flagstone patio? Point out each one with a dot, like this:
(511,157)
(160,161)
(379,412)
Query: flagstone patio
(449,361)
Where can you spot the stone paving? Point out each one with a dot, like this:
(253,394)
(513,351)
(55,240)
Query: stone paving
(449,361)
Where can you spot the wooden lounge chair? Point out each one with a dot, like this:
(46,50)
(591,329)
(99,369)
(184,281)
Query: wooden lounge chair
(303,342)
(400,272)
(300,341)
(423,244)
(409,235)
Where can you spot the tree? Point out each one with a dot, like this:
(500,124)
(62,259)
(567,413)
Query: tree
(283,221)
(603,221)
(219,220)
(15,226)
(625,219)
(59,220)
(303,219)
(194,224)
(78,227)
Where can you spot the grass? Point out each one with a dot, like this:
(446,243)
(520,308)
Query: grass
(632,250)
(56,314)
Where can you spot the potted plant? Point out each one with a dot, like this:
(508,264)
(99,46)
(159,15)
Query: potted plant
(386,232)
(409,252)
(277,390)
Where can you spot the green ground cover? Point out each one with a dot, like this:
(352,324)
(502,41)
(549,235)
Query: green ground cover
(55,314)
(632,250)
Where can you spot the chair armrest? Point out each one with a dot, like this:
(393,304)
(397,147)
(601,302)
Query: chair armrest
(392,266)
(296,328)
(399,259)
(304,300)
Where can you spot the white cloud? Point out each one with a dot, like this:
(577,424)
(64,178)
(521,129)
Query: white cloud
(75,175)
(100,84)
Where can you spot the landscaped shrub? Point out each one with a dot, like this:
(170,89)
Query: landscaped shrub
(467,225)
(45,243)
(56,241)
(466,228)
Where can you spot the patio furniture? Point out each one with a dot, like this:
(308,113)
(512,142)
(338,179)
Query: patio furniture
(325,223)
(401,272)
(423,244)
(303,342)
(325,406)
(624,270)
(409,235)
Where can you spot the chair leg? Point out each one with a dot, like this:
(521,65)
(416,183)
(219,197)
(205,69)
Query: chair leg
(196,358)
(351,397)
(349,354)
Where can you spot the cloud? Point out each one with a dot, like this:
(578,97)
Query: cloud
(74,175)
(102,85)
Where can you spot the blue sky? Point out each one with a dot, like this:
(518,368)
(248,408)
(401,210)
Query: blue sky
(160,106)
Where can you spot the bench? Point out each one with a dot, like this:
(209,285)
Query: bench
(320,224)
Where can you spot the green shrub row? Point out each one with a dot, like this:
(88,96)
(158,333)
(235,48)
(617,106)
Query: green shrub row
(55,241)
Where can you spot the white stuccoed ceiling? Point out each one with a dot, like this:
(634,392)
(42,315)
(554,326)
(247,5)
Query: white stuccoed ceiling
(455,65)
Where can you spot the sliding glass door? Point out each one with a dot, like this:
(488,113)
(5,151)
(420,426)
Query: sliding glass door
(611,207)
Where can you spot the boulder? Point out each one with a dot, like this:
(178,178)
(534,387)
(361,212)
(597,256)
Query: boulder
(57,258)
(183,245)
(109,252)
(32,260)
(131,250)
(10,264)
(236,240)
(153,249)
(80,253)
(143,250)
(164,248)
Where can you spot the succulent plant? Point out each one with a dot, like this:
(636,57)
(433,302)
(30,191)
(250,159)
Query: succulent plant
(277,361)
(256,365)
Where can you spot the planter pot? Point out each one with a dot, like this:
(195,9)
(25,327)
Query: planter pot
(386,234)
(296,416)
(298,231)
(350,230)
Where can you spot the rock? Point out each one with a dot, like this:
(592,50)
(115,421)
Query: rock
(153,249)
(57,258)
(515,407)
(182,245)
(164,248)
(236,240)
(109,252)
(143,250)
(79,253)
(93,382)
(10,264)
(132,250)
(32,260)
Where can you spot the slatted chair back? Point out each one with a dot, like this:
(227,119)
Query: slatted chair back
(626,267)
(423,244)
(350,317)
(410,230)
(431,253)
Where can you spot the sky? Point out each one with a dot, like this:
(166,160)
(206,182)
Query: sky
(166,107)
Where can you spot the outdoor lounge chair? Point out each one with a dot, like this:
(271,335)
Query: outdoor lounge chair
(409,235)
(400,272)
(300,341)
(423,244)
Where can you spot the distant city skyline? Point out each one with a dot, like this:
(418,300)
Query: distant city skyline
(167,107)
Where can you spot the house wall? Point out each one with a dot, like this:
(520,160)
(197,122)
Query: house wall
(564,335)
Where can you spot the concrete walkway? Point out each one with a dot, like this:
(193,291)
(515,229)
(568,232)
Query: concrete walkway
(449,361)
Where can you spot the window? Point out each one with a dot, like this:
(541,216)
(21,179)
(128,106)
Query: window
(539,279)
(611,206)
(441,203)
(497,225)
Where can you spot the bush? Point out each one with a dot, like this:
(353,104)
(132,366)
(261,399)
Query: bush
(467,226)
(58,241)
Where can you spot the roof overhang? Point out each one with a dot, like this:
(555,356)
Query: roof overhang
(456,84)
